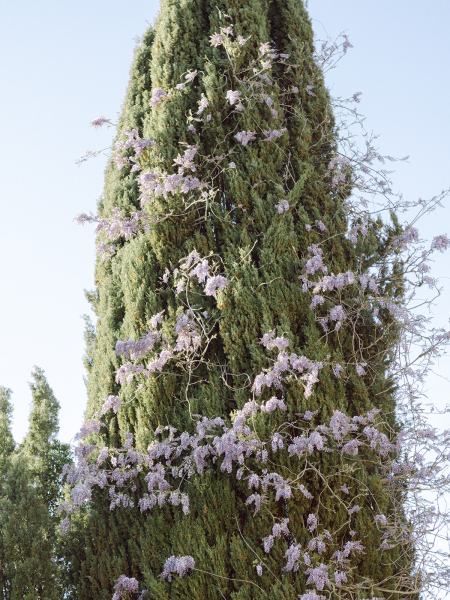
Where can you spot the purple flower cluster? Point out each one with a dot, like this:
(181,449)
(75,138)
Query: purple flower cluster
(116,226)
(154,185)
(100,121)
(282,206)
(177,565)
(111,403)
(140,348)
(286,365)
(131,141)
(273,134)
(440,243)
(124,587)
(245,137)
(195,267)
(234,97)
(158,95)
(318,576)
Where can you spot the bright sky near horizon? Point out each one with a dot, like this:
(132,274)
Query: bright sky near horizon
(63,64)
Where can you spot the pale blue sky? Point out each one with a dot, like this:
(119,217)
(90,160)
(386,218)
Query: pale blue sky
(64,63)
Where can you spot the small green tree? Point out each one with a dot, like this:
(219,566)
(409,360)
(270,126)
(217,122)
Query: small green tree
(30,488)
(27,537)
(45,454)
(7,446)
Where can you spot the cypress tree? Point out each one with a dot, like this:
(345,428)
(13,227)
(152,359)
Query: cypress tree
(45,454)
(7,443)
(30,489)
(262,253)
(26,538)
(7,446)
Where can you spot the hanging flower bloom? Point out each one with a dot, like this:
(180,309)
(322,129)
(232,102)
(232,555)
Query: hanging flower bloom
(273,134)
(111,403)
(125,586)
(177,565)
(215,284)
(318,576)
(292,556)
(233,97)
(241,40)
(337,370)
(282,206)
(440,243)
(217,39)
(203,104)
(346,45)
(190,76)
(311,522)
(158,94)
(245,137)
(360,369)
(100,121)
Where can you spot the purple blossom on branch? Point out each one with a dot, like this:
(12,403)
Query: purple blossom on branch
(215,284)
(311,522)
(125,586)
(88,428)
(346,45)
(361,369)
(315,262)
(245,137)
(340,577)
(282,206)
(111,403)
(318,576)
(311,595)
(216,40)
(440,243)
(271,342)
(158,94)
(203,104)
(137,350)
(273,134)
(177,565)
(100,121)
(233,97)
(292,557)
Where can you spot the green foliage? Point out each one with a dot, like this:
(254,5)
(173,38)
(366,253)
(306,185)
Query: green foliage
(7,446)
(26,538)
(45,454)
(30,488)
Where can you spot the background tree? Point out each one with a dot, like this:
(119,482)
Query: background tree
(30,490)
(45,454)
(7,446)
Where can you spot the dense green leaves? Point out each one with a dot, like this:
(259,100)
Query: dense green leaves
(30,488)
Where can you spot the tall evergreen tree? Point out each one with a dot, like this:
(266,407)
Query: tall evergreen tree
(7,446)
(31,484)
(45,454)
(27,537)
(7,443)
(262,253)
